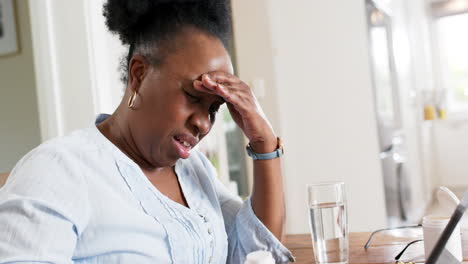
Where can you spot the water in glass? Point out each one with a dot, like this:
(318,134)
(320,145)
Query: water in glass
(328,223)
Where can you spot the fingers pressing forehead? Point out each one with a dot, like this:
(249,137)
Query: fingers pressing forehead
(200,87)
(221,77)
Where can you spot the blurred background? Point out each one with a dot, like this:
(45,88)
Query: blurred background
(372,93)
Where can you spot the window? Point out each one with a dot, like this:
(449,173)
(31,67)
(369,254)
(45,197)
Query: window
(452,49)
(236,154)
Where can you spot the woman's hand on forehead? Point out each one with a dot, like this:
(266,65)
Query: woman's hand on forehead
(241,102)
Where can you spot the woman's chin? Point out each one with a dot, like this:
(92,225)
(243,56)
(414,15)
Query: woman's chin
(169,161)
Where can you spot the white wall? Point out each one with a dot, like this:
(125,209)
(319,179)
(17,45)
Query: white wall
(19,119)
(320,87)
(64,64)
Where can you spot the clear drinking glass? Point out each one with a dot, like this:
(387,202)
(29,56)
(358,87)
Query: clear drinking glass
(328,220)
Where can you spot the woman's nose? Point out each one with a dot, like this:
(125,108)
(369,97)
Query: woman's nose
(201,122)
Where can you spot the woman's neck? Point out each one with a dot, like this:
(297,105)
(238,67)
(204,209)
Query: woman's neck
(118,132)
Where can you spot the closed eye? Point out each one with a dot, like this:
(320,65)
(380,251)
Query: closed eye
(214,109)
(192,97)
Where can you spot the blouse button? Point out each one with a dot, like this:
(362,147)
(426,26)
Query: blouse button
(210,231)
(206,219)
(210,259)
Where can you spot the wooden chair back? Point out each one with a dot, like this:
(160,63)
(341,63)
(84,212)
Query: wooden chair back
(3,178)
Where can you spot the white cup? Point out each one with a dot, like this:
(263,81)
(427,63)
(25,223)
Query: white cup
(259,257)
(433,226)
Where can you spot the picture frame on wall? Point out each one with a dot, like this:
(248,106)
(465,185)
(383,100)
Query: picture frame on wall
(8,37)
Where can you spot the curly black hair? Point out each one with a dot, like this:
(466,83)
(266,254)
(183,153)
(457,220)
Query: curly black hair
(145,24)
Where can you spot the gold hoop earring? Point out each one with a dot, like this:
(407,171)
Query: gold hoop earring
(131,100)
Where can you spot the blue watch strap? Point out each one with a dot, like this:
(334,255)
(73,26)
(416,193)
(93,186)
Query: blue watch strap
(265,156)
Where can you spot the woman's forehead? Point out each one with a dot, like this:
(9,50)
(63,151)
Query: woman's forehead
(190,70)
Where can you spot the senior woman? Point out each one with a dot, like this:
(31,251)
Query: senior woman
(132,189)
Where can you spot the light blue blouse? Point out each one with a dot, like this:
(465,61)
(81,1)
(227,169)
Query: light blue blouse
(79,199)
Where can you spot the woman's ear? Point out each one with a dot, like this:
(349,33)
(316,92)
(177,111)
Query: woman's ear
(137,70)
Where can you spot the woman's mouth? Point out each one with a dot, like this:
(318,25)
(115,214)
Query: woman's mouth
(183,145)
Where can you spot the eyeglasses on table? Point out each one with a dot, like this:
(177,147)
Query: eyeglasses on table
(399,255)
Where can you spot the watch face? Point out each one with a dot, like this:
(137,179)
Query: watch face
(280,145)
(250,152)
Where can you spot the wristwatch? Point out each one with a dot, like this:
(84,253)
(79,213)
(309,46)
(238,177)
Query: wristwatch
(266,156)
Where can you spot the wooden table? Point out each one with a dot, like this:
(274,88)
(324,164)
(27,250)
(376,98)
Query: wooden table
(384,247)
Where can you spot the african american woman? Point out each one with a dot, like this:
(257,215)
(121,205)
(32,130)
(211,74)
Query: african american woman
(132,188)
